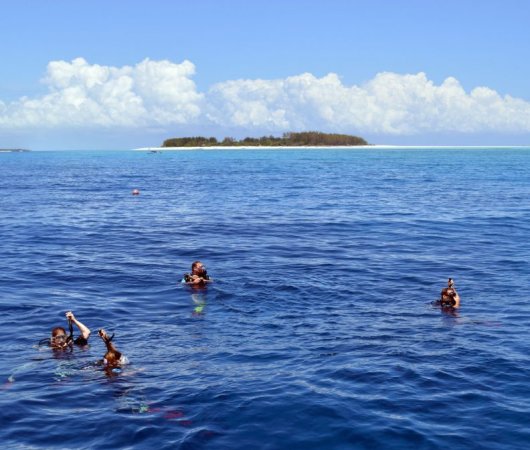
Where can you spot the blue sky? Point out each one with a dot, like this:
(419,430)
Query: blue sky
(122,74)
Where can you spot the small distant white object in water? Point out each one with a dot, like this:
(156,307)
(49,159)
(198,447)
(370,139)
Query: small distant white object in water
(135,192)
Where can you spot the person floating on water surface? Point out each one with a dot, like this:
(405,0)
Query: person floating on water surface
(60,340)
(198,276)
(113,358)
(449,298)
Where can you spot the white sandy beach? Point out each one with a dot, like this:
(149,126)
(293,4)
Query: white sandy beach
(334,147)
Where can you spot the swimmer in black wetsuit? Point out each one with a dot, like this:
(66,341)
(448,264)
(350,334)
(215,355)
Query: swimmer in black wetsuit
(199,276)
(60,340)
(449,298)
(113,358)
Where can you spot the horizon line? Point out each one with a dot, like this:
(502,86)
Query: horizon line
(264,147)
(378,146)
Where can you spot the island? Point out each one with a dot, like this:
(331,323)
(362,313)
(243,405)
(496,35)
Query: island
(13,150)
(302,139)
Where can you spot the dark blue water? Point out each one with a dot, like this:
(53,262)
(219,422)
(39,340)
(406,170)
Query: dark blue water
(318,331)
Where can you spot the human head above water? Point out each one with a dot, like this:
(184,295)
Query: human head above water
(58,331)
(197,268)
(58,337)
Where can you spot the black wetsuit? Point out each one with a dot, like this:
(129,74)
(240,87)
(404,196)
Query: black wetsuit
(188,278)
(80,341)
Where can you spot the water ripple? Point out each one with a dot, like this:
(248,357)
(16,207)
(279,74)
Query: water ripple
(318,331)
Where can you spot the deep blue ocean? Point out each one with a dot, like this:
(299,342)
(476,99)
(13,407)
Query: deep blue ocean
(318,331)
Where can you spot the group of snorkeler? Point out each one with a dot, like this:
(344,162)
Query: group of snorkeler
(197,278)
(60,340)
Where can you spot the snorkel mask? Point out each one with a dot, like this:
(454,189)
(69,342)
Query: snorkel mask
(201,271)
(59,341)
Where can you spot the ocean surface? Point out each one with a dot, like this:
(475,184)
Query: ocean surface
(318,331)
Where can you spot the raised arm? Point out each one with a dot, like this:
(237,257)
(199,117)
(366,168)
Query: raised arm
(83,329)
(113,357)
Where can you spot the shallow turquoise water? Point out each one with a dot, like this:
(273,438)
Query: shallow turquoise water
(318,331)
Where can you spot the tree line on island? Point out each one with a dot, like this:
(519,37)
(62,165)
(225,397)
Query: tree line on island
(306,138)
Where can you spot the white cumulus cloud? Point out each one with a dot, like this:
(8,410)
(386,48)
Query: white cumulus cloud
(85,95)
(162,94)
(390,103)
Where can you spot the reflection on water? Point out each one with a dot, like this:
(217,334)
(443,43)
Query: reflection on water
(199,301)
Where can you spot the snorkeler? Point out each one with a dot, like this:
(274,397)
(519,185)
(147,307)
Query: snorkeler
(449,298)
(199,276)
(113,358)
(60,340)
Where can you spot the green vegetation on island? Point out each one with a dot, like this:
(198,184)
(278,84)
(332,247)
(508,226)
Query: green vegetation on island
(303,139)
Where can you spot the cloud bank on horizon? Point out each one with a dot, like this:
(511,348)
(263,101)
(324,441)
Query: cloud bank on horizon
(162,95)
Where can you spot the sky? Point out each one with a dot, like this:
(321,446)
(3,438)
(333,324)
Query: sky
(124,74)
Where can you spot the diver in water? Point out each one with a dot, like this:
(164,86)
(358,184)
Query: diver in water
(113,358)
(59,340)
(198,277)
(449,298)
